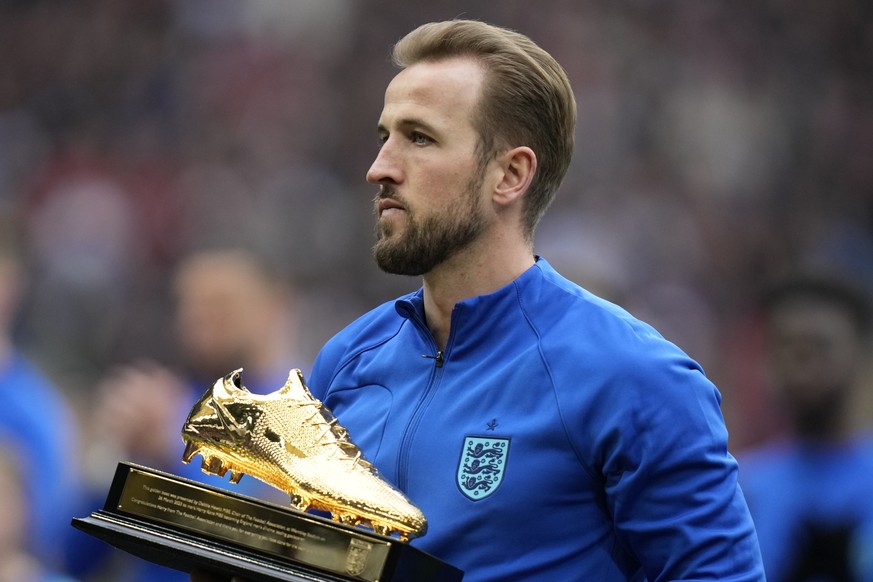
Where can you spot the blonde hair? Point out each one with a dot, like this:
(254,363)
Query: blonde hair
(526,98)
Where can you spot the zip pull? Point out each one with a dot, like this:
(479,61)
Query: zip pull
(438,358)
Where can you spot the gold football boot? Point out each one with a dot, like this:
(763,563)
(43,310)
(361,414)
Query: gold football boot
(289,440)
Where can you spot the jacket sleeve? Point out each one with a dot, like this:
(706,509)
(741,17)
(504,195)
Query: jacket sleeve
(653,433)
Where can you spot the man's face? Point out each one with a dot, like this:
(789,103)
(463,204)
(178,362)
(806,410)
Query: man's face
(223,305)
(431,203)
(815,353)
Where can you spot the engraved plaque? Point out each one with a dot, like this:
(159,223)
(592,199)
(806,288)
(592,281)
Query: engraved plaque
(185,525)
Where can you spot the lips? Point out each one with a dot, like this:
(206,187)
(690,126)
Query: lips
(389,205)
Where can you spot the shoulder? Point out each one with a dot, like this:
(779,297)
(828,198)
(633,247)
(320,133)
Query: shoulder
(591,336)
(23,382)
(619,382)
(20,369)
(553,302)
(763,466)
(374,326)
(371,329)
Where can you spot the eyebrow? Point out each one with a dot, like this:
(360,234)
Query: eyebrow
(410,123)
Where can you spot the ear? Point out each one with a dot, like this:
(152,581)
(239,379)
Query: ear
(518,166)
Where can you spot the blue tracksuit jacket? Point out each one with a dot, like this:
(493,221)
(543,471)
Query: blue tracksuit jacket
(555,438)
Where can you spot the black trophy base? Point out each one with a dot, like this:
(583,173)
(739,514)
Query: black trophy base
(176,550)
(187,526)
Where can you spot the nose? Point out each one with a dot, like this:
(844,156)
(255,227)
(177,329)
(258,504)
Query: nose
(385,168)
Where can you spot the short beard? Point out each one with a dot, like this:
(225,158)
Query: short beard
(430,242)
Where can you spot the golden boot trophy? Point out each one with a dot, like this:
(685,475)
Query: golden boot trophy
(289,440)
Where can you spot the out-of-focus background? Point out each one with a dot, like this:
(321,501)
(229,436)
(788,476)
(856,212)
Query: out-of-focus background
(719,146)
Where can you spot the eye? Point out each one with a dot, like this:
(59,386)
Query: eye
(419,138)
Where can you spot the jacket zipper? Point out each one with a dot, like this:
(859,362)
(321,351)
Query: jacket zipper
(423,403)
(438,358)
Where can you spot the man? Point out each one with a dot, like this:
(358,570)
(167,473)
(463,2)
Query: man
(809,492)
(545,433)
(232,310)
(38,429)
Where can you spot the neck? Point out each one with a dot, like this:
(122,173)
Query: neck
(824,423)
(465,275)
(272,350)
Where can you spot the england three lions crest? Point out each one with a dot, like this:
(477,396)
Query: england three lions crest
(482,466)
(356,557)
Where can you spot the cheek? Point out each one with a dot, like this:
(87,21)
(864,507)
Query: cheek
(434,187)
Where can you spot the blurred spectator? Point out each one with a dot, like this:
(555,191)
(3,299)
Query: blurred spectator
(85,245)
(17,563)
(233,310)
(37,426)
(810,492)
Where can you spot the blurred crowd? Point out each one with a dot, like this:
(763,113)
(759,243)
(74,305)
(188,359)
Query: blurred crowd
(720,146)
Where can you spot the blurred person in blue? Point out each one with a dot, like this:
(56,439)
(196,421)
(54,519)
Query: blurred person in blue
(233,309)
(811,492)
(17,561)
(37,422)
(545,433)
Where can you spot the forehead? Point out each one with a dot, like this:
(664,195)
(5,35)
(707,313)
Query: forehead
(438,92)
(812,318)
(218,275)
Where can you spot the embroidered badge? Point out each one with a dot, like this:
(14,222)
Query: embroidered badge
(482,466)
